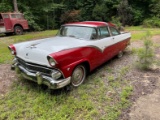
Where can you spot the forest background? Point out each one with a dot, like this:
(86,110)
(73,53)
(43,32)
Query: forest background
(50,14)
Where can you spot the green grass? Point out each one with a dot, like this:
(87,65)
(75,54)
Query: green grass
(5,56)
(139,32)
(98,98)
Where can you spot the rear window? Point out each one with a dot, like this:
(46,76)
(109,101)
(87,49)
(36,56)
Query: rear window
(114,31)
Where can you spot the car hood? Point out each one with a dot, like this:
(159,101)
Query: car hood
(38,50)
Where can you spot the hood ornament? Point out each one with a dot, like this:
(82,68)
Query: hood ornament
(33,45)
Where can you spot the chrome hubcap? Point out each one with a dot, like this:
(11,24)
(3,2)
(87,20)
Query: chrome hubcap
(78,76)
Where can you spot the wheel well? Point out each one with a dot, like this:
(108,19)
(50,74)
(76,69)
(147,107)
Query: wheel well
(87,66)
(18,25)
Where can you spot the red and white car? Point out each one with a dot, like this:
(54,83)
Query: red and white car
(66,58)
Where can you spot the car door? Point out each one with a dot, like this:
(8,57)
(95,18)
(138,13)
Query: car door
(119,40)
(104,43)
(7,22)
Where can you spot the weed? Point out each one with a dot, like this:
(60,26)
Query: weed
(109,70)
(111,78)
(146,53)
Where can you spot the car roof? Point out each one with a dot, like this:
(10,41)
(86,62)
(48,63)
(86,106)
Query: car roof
(91,23)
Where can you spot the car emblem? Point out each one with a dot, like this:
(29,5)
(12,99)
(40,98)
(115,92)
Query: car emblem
(33,45)
(26,54)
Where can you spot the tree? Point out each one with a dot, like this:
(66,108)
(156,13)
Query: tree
(15,5)
(124,12)
(50,14)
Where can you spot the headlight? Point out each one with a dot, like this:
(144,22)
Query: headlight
(51,61)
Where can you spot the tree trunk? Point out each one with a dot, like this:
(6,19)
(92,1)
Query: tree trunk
(15,6)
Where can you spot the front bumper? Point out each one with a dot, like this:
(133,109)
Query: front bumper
(41,79)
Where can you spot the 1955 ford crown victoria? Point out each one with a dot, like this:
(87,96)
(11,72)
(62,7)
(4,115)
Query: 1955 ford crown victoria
(66,58)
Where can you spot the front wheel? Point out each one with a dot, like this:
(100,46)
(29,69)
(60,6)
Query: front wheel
(78,75)
(18,30)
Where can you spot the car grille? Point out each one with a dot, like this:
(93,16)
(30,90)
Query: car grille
(34,67)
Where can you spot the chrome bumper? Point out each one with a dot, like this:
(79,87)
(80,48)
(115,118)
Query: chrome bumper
(41,79)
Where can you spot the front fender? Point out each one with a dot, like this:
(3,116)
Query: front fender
(68,69)
(67,60)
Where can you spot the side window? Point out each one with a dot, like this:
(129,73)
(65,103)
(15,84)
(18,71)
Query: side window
(94,34)
(5,16)
(20,16)
(13,15)
(103,32)
(114,31)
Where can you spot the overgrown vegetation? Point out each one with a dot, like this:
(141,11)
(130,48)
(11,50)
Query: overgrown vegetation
(146,54)
(152,22)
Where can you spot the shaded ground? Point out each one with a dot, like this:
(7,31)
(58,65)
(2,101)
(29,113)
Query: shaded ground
(146,95)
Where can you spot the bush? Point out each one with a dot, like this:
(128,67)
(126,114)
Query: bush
(152,22)
(116,21)
(146,54)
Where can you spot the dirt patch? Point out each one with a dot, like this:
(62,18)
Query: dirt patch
(7,76)
(146,95)
(147,106)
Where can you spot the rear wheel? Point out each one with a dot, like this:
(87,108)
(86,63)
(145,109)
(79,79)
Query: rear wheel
(120,54)
(78,75)
(18,30)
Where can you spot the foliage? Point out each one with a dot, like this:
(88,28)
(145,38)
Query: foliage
(152,22)
(155,8)
(116,21)
(50,14)
(124,12)
(146,54)
(5,7)
(70,16)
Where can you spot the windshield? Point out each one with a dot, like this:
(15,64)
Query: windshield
(77,32)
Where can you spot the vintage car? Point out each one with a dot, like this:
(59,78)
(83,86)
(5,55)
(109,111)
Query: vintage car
(65,59)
